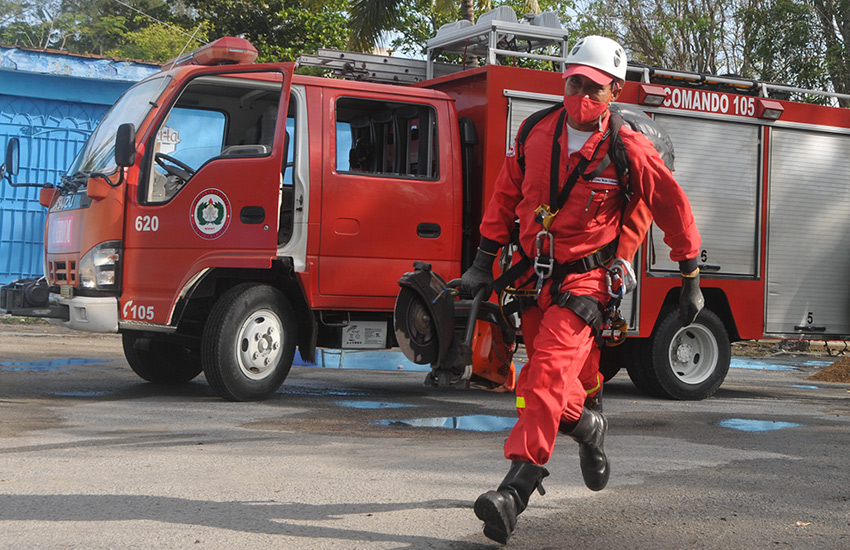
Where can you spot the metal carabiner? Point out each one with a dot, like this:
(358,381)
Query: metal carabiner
(612,275)
(544,263)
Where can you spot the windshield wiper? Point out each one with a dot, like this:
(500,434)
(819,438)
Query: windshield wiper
(72,183)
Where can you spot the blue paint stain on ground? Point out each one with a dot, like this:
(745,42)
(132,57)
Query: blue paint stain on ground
(373,405)
(475,423)
(745,425)
(804,387)
(79,393)
(738,363)
(56,364)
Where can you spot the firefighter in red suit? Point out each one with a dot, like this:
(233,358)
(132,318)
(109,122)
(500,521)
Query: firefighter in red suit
(596,230)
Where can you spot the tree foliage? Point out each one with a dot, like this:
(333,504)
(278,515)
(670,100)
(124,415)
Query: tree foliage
(160,43)
(799,42)
(279,29)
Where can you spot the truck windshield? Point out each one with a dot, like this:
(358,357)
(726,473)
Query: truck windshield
(98,153)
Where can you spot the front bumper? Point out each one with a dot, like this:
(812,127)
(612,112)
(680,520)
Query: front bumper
(32,298)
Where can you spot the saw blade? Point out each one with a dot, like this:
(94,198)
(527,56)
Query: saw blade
(414,328)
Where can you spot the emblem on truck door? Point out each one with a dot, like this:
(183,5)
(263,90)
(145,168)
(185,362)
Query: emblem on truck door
(210,214)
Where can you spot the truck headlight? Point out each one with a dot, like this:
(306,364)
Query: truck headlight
(99,268)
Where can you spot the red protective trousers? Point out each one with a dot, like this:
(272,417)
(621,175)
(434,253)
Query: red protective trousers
(562,370)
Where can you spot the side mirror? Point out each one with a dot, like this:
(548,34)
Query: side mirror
(125,145)
(13,156)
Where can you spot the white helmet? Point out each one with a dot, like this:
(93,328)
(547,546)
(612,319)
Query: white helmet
(605,59)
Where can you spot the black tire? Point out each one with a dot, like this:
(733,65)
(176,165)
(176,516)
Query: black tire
(686,363)
(161,359)
(641,372)
(611,361)
(249,342)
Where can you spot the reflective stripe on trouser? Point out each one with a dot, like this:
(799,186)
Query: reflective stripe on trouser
(563,364)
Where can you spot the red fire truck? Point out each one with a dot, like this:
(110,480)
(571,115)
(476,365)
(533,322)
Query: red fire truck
(225,213)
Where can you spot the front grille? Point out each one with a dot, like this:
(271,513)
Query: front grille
(62,272)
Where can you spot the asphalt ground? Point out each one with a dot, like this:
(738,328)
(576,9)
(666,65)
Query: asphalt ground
(347,458)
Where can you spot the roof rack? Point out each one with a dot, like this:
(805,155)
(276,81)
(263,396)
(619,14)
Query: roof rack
(499,33)
(730,82)
(373,67)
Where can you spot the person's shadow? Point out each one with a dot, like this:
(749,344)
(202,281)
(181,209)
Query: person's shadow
(263,517)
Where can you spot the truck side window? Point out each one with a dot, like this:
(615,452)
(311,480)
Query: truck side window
(190,137)
(215,118)
(386,138)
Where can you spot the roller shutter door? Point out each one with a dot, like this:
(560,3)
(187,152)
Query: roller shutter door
(519,110)
(717,164)
(808,228)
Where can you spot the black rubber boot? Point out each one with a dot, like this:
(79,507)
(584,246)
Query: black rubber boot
(499,509)
(589,432)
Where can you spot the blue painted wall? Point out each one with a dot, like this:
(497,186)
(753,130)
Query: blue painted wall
(51,102)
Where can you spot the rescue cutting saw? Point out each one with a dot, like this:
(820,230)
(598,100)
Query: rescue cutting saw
(467,341)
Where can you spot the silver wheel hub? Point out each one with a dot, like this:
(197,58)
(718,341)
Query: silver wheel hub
(260,342)
(693,354)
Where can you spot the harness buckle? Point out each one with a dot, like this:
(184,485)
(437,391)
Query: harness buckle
(544,216)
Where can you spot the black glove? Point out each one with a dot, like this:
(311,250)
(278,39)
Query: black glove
(480,273)
(690,299)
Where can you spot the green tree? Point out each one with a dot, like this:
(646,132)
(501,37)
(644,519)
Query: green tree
(34,24)
(784,43)
(834,18)
(372,19)
(279,29)
(104,25)
(159,43)
(688,36)
(803,43)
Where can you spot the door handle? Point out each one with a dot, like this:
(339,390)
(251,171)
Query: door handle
(428,230)
(252,214)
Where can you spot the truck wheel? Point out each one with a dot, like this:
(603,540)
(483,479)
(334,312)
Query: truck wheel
(248,342)
(640,369)
(161,360)
(612,359)
(687,363)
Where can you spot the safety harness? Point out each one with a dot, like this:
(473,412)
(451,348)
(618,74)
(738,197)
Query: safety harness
(599,316)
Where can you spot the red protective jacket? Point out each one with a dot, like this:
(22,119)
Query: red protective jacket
(590,219)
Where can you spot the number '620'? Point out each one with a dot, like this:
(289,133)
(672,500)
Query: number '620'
(147,223)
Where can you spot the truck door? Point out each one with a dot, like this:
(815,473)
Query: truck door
(209,186)
(388,197)
(809,220)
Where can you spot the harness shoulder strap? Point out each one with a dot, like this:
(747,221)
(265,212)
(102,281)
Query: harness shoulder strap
(526,128)
(619,155)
